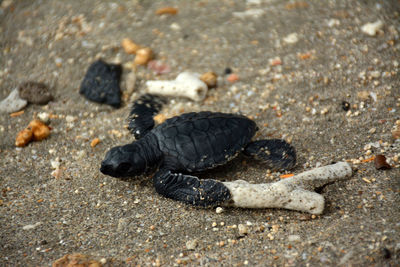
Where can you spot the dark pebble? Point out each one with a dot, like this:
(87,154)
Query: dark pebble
(35,93)
(386,253)
(227,71)
(345,105)
(101,83)
(380,163)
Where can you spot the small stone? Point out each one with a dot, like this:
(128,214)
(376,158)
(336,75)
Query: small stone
(35,93)
(375,74)
(333,22)
(233,78)
(219,210)
(95,142)
(55,164)
(345,105)
(129,46)
(291,38)
(275,61)
(101,83)
(227,71)
(167,10)
(23,137)
(386,253)
(175,26)
(31,226)
(294,238)
(209,78)
(70,118)
(56,173)
(12,103)
(44,117)
(243,229)
(372,28)
(372,130)
(396,133)
(143,56)
(39,129)
(191,244)
(380,163)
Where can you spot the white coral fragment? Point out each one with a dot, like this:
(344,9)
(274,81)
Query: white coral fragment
(372,28)
(292,193)
(186,84)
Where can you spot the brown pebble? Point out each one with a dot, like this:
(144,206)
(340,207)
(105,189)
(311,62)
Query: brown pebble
(167,10)
(35,93)
(380,163)
(209,78)
(24,137)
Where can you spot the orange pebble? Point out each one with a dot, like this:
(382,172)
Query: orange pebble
(129,46)
(95,142)
(24,137)
(233,78)
(143,56)
(39,129)
(167,10)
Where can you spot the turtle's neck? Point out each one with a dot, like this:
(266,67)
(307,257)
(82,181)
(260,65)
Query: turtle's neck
(150,150)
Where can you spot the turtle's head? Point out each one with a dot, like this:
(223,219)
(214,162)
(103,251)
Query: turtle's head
(124,161)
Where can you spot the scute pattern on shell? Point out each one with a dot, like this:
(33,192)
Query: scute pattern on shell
(200,141)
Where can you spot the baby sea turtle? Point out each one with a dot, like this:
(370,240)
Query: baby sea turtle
(191,142)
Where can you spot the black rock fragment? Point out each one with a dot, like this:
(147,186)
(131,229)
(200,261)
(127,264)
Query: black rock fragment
(101,83)
(345,105)
(227,71)
(35,92)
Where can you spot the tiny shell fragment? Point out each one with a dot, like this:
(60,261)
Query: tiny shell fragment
(380,163)
(167,10)
(24,137)
(209,78)
(129,46)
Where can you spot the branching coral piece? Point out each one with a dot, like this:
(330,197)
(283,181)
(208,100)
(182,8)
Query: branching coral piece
(290,193)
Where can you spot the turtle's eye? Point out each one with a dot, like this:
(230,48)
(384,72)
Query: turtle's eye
(124,167)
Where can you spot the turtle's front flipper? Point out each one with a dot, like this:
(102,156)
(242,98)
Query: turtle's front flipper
(141,116)
(276,153)
(190,189)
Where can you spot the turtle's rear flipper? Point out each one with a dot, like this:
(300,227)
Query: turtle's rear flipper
(141,116)
(276,153)
(190,189)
